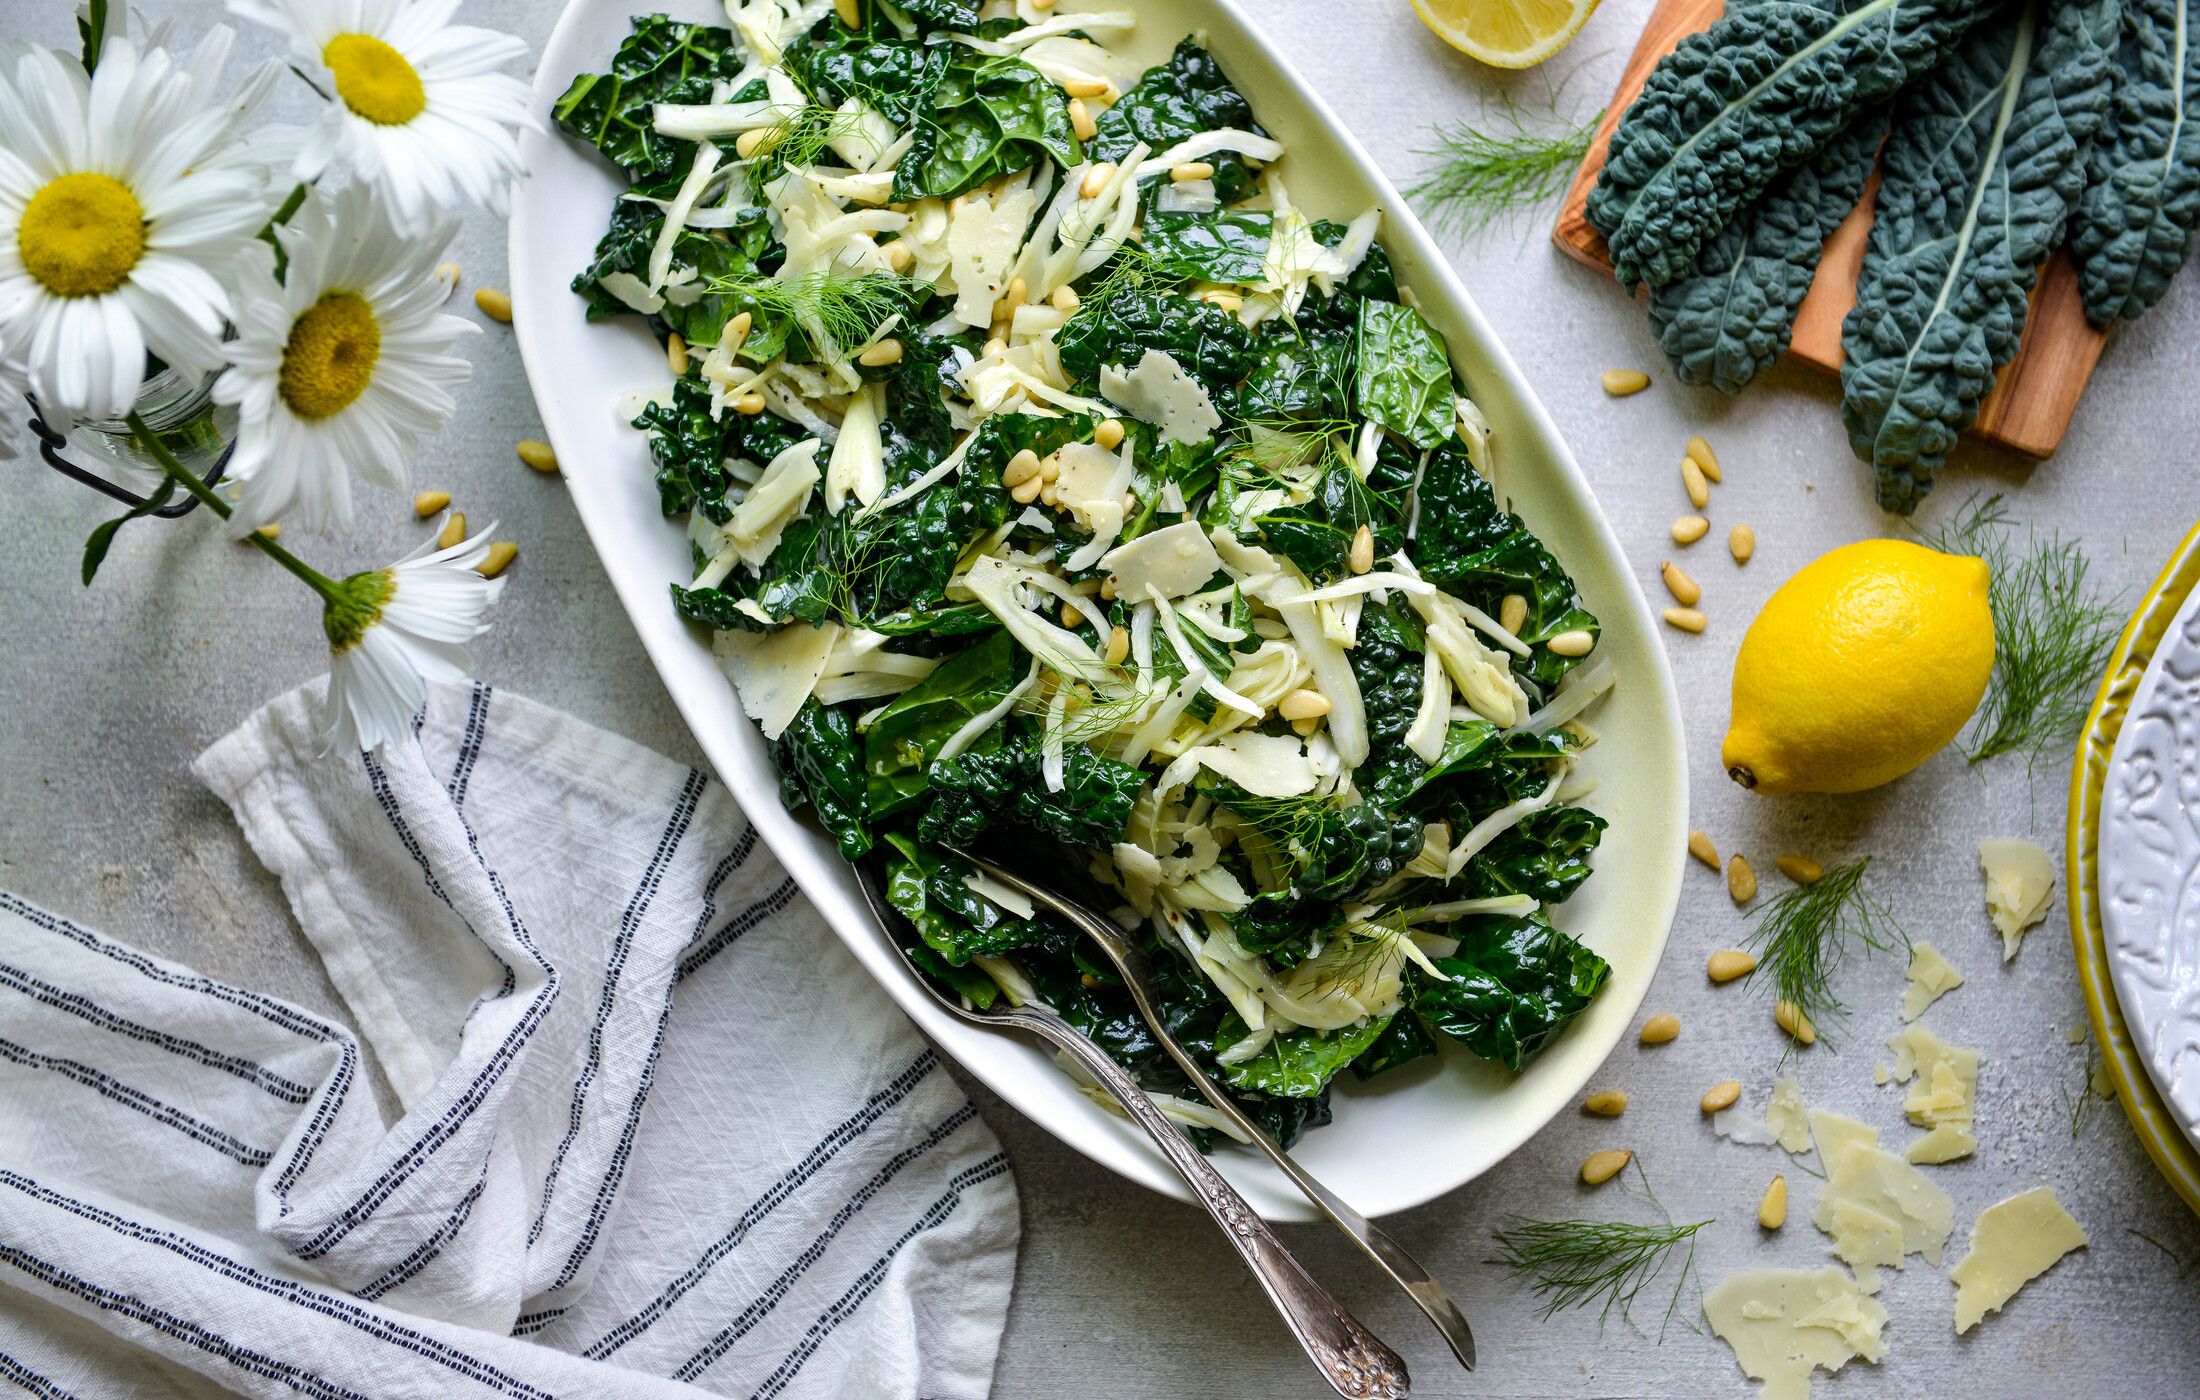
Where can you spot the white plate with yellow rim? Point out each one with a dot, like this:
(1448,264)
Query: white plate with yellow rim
(1396,1143)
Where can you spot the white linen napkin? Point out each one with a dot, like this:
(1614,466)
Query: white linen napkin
(659,1133)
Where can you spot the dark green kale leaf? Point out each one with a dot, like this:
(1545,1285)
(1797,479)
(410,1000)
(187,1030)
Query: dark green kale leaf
(1479,553)
(958,15)
(1387,664)
(1296,373)
(1297,1063)
(975,792)
(1222,245)
(1317,535)
(2134,228)
(1730,317)
(1513,985)
(818,753)
(987,117)
(1213,346)
(908,733)
(1759,91)
(893,76)
(1174,101)
(925,885)
(1545,856)
(1335,852)
(1403,379)
(690,449)
(662,61)
(1985,165)
(1403,1041)
(736,252)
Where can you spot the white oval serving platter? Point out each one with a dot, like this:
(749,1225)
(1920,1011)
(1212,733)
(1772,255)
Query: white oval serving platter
(1412,1135)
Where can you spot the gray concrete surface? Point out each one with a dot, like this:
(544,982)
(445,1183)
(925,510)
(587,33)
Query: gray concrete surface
(108,693)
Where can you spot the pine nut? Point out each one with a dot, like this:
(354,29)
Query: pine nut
(1685,590)
(1660,1028)
(1362,556)
(1065,298)
(1085,87)
(1119,646)
(1096,180)
(1722,1095)
(993,348)
(1021,468)
(1043,6)
(1305,728)
(1700,452)
(1024,492)
(850,15)
(1048,496)
(428,503)
(271,530)
(495,305)
(749,405)
(748,143)
(498,559)
(1772,1211)
(1730,963)
(676,355)
(1687,619)
(736,332)
(1303,704)
(1790,1018)
(883,353)
(1512,613)
(1689,529)
(899,257)
(1107,588)
(1578,642)
(1692,477)
(1606,1103)
(1619,383)
(1801,869)
(447,274)
(1741,881)
(1071,617)
(538,455)
(453,531)
(1601,1167)
(1224,301)
(1699,846)
(1109,434)
(1050,468)
(1741,542)
(1080,117)
(1017,288)
(1184,172)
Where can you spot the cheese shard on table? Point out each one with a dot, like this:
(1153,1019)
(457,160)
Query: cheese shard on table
(1943,1082)
(2014,1242)
(1931,978)
(1877,1208)
(2019,880)
(1787,1118)
(1783,1324)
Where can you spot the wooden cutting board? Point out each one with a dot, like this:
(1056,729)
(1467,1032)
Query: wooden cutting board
(2037,392)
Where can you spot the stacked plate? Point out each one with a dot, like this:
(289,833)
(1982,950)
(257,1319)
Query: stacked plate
(2134,860)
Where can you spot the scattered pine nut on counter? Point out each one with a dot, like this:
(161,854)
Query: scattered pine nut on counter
(1600,1167)
(1689,529)
(1660,1028)
(1801,869)
(428,503)
(1741,881)
(1619,383)
(1722,1095)
(1693,479)
(1730,963)
(453,532)
(1685,590)
(1790,1018)
(1741,542)
(498,559)
(1687,619)
(538,455)
(494,304)
(1606,1103)
(1700,846)
(1772,1211)
(1701,454)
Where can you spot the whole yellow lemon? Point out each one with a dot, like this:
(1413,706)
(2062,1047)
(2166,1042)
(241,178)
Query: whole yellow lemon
(1859,668)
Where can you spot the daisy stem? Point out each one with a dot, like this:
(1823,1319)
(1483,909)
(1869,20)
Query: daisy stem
(211,499)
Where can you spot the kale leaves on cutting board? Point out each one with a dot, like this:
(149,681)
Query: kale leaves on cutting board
(2134,228)
(1761,90)
(1985,164)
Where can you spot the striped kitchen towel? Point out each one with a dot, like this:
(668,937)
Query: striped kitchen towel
(654,1132)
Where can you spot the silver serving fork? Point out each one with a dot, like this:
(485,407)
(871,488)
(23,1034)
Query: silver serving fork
(1130,963)
(1354,1362)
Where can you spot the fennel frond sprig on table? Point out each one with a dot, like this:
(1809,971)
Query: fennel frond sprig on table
(1805,935)
(2052,632)
(1480,175)
(1577,1263)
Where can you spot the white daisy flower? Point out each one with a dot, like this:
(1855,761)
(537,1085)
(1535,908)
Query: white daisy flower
(393,630)
(118,219)
(419,110)
(339,364)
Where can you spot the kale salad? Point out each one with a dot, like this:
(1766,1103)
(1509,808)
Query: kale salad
(1055,483)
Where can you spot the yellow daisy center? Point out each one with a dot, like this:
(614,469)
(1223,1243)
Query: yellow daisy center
(374,79)
(329,360)
(81,235)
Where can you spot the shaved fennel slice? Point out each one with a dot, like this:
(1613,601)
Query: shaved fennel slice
(978,724)
(1496,824)
(1579,690)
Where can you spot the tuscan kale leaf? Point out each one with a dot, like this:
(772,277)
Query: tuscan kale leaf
(661,61)
(2134,228)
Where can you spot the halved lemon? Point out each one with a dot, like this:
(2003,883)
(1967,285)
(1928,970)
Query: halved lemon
(1506,33)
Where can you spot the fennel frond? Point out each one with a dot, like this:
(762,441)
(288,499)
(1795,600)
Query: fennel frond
(836,310)
(1804,935)
(1574,1263)
(1477,176)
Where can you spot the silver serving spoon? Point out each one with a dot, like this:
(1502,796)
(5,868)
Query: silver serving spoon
(1351,1359)
(1130,963)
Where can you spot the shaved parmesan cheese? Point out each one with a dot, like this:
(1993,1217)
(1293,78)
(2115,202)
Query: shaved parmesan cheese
(1264,765)
(1786,1117)
(859,460)
(1943,1095)
(983,239)
(1737,1126)
(774,672)
(1159,391)
(1931,978)
(1174,561)
(1877,1208)
(1784,1324)
(774,502)
(2014,1242)
(2019,881)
